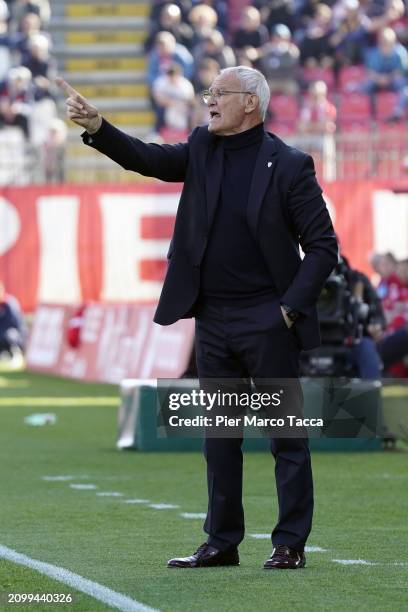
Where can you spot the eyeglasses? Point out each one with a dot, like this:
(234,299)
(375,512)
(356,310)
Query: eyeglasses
(217,93)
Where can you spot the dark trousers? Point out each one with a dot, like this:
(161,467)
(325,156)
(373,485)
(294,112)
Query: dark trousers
(365,357)
(394,347)
(240,342)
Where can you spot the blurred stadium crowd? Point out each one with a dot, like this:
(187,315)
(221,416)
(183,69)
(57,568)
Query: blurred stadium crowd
(313,54)
(334,67)
(28,111)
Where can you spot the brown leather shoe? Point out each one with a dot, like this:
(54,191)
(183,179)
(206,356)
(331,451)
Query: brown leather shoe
(283,557)
(207,556)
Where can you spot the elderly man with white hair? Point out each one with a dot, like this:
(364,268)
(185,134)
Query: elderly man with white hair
(248,202)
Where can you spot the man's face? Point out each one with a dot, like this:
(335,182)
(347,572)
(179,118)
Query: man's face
(227,113)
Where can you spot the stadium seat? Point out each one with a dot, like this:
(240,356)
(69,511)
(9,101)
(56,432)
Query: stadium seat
(386,101)
(351,75)
(353,108)
(311,74)
(284,108)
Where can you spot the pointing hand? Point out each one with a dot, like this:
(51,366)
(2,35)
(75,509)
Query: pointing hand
(79,110)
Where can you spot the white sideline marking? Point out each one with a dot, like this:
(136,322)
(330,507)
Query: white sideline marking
(95,590)
(83,487)
(163,506)
(193,515)
(315,549)
(109,494)
(364,562)
(58,478)
(403,563)
(353,562)
(136,501)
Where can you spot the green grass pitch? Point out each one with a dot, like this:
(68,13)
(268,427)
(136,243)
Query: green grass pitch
(361,513)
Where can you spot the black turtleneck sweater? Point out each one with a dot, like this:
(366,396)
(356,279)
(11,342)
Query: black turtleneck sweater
(233,267)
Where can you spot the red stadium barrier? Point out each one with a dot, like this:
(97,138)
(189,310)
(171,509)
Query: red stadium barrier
(70,245)
(110,343)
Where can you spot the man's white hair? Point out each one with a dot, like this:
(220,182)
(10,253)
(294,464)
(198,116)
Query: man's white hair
(254,81)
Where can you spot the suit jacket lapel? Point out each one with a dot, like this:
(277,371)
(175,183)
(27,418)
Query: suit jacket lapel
(263,171)
(213,175)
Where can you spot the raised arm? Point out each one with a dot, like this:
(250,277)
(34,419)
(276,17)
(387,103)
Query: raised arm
(166,162)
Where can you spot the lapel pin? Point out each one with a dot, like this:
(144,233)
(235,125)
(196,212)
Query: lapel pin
(269,164)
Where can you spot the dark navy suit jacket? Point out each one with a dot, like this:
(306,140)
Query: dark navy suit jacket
(285,209)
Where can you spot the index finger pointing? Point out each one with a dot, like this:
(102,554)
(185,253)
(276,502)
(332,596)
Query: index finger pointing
(66,87)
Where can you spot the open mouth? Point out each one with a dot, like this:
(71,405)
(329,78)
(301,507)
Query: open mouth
(214,114)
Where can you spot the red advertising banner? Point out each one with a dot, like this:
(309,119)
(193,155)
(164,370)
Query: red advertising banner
(107,343)
(70,245)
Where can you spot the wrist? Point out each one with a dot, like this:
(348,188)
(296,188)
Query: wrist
(96,127)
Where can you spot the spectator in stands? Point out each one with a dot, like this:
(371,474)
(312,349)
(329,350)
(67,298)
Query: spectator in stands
(279,61)
(166,51)
(317,125)
(5,41)
(400,110)
(221,8)
(402,271)
(204,20)
(203,75)
(399,21)
(251,33)
(53,151)
(385,64)
(170,20)
(37,57)
(213,46)
(350,37)
(305,12)
(16,99)
(248,56)
(315,44)
(30,25)
(277,11)
(393,346)
(12,327)
(20,8)
(391,289)
(206,72)
(381,13)
(174,96)
(157,5)
(385,266)
(318,115)
(44,111)
(341,8)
